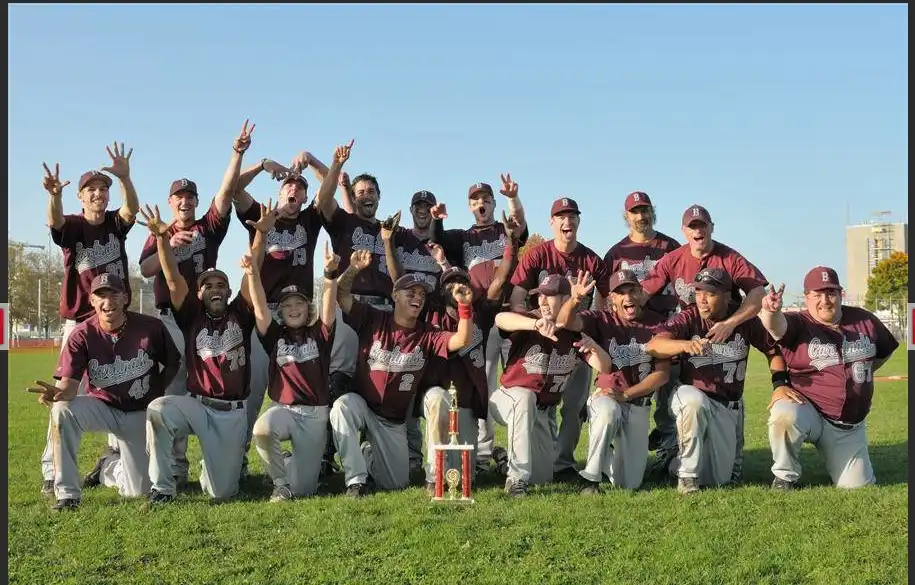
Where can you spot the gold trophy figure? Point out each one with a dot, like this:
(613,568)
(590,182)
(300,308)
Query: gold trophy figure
(452,476)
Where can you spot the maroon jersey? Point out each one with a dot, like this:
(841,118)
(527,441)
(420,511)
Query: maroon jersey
(289,257)
(679,268)
(540,364)
(123,373)
(217,350)
(299,365)
(834,369)
(392,360)
(640,258)
(721,371)
(477,250)
(414,257)
(625,342)
(546,259)
(90,250)
(348,233)
(466,370)
(193,258)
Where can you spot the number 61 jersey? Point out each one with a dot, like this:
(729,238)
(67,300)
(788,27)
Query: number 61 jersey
(217,351)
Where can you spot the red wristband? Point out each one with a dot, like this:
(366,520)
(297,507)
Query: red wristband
(465,311)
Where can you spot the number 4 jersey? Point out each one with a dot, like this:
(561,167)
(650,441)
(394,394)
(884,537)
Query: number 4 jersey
(217,349)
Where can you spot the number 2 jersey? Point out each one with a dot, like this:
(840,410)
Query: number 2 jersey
(625,342)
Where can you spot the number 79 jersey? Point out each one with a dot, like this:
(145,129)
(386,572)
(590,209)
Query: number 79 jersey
(217,351)
(625,343)
(723,368)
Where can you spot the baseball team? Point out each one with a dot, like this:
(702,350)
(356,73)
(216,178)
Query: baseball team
(406,314)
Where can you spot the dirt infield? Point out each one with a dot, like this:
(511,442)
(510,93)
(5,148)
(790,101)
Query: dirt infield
(889,378)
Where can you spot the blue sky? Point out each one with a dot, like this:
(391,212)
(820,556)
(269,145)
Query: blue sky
(779,119)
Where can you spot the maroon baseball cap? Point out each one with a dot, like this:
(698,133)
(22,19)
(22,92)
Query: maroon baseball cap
(713,279)
(93,176)
(696,213)
(479,188)
(822,278)
(621,277)
(637,199)
(410,280)
(423,197)
(211,272)
(553,284)
(453,273)
(564,205)
(183,185)
(295,177)
(291,291)
(106,280)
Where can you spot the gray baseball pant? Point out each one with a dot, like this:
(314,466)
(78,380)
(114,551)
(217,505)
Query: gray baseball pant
(126,470)
(259,363)
(574,397)
(496,354)
(415,438)
(844,451)
(663,419)
(531,450)
(617,442)
(306,427)
(178,387)
(707,431)
(436,407)
(221,434)
(389,464)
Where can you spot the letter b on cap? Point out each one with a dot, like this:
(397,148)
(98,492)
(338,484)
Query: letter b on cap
(825,276)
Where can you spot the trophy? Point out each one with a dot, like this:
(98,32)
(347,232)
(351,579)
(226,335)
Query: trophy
(452,476)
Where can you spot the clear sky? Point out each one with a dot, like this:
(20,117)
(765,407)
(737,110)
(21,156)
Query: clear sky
(782,120)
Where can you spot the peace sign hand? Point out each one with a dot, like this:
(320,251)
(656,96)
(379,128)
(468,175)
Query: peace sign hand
(243,142)
(772,302)
(267,219)
(331,260)
(51,182)
(120,163)
(341,154)
(389,226)
(50,393)
(509,187)
(153,221)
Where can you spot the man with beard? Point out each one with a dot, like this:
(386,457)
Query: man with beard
(566,256)
(195,243)
(479,250)
(678,269)
(127,359)
(832,351)
(394,350)
(639,251)
(618,410)
(708,406)
(93,243)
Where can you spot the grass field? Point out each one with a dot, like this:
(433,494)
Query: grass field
(744,535)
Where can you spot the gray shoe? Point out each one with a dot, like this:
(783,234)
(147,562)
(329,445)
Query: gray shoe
(281,493)
(47,488)
(687,485)
(782,484)
(516,488)
(355,491)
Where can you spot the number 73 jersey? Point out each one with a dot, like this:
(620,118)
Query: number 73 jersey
(721,370)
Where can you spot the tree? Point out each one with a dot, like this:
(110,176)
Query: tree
(888,285)
(30,272)
(532,240)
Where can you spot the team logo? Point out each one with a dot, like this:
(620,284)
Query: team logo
(103,279)
(184,182)
(565,202)
(695,212)
(635,197)
(620,275)
(825,276)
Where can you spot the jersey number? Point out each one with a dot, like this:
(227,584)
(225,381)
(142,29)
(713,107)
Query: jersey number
(558,382)
(116,269)
(406,383)
(644,370)
(862,372)
(198,263)
(236,358)
(732,371)
(300,257)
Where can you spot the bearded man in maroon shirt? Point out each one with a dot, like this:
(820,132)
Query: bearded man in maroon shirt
(394,352)
(832,351)
(127,359)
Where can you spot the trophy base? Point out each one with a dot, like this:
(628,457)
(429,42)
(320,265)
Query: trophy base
(455,500)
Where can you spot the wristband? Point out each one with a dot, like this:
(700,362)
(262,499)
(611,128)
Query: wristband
(332,274)
(465,311)
(780,379)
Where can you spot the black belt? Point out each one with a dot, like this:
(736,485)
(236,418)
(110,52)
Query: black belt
(218,404)
(643,401)
(729,404)
(841,425)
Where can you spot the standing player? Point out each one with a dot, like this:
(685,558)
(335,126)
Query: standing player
(566,256)
(832,351)
(394,350)
(678,269)
(412,248)
(92,243)
(127,359)
(618,411)
(708,407)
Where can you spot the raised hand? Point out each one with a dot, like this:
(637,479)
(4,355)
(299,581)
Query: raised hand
(331,260)
(436,251)
(582,285)
(341,153)
(49,394)
(300,162)
(546,328)
(697,346)
(509,187)
(277,171)
(389,226)
(51,182)
(343,180)
(120,163)
(247,264)
(243,142)
(512,227)
(267,218)
(462,294)
(153,221)
(439,211)
(360,259)
(772,302)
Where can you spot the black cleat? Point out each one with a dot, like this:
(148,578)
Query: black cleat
(589,488)
(94,477)
(654,440)
(500,457)
(516,488)
(782,485)
(567,475)
(355,491)
(157,497)
(65,504)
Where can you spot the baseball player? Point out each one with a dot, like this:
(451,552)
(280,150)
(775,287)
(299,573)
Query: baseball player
(832,351)
(128,359)
(217,338)
(678,268)
(195,243)
(478,250)
(394,351)
(564,255)
(541,360)
(708,406)
(299,350)
(618,411)
(93,243)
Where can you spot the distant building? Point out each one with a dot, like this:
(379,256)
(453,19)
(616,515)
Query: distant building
(866,245)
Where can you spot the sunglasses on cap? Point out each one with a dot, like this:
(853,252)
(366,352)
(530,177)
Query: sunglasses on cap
(710,280)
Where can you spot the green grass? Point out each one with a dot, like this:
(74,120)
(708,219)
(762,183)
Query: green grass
(746,535)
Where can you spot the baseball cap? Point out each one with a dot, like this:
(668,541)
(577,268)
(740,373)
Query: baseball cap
(553,284)
(621,277)
(106,280)
(93,176)
(822,278)
(183,185)
(210,272)
(295,177)
(453,273)
(291,291)
(423,196)
(636,199)
(479,188)
(696,213)
(410,280)
(713,279)
(563,205)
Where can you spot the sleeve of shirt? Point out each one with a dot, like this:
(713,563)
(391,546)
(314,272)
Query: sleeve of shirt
(522,239)
(589,323)
(74,358)
(744,274)
(886,343)
(525,274)
(65,237)
(436,342)
(312,222)
(184,316)
(216,225)
(679,326)
(253,213)
(121,227)
(337,221)
(269,339)
(658,276)
(602,277)
(150,247)
(359,315)
(758,337)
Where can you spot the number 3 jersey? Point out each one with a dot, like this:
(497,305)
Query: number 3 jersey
(625,342)
(217,350)
(540,364)
(722,369)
